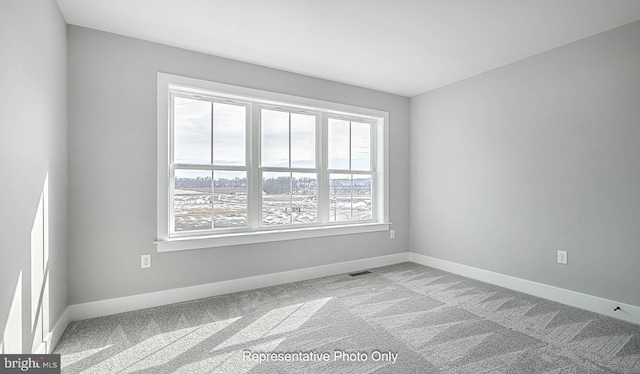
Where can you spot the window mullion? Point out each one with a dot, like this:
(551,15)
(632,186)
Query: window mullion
(290,176)
(198,167)
(213,173)
(289,116)
(350,154)
(255,182)
(322,159)
(172,186)
(291,198)
(351,198)
(211,140)
(350,171)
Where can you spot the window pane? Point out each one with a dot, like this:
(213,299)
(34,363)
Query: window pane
(192,200)
(303,141)
(361,198)
(304,199)
(340,197)
(276,198)
(275,138)
(360,146)
(338,144)
(229,199)
(192,131)
(229,134)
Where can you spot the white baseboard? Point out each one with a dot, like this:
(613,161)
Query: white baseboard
(629,313)
(58,329)
(149,300)
(54,335)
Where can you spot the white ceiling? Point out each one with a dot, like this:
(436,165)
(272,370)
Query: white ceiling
(404,47)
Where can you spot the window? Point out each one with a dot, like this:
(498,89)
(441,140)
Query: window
(350,168)
(209,169)
(237,166)
(289,172)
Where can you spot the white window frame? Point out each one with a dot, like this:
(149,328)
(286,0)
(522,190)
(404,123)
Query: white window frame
(205,167)
(167,241)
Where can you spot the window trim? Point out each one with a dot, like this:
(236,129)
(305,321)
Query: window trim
(164,242)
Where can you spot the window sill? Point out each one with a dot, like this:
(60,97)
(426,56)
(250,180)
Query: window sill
(223,240)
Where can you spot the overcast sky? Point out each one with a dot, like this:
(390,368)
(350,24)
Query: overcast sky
(193,138)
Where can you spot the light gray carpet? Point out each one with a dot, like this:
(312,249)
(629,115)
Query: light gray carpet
(435,322)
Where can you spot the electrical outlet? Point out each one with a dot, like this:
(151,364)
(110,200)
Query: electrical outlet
(562,257)
(392,234)
(145,261)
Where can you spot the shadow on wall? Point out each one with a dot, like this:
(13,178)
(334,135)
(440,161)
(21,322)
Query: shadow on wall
(26,332)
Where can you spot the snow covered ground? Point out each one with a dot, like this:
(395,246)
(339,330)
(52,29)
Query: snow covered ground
(195,210)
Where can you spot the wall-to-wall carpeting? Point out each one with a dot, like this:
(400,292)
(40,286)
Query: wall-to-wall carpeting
(405,318)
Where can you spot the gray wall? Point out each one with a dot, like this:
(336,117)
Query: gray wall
(509,166)
(33,144)
(112,184)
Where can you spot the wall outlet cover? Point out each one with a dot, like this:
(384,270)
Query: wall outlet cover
(562,257)
(145,261)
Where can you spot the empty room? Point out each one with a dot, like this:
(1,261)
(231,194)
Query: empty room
(289,186)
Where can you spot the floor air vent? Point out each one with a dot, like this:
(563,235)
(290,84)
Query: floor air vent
(360,273)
